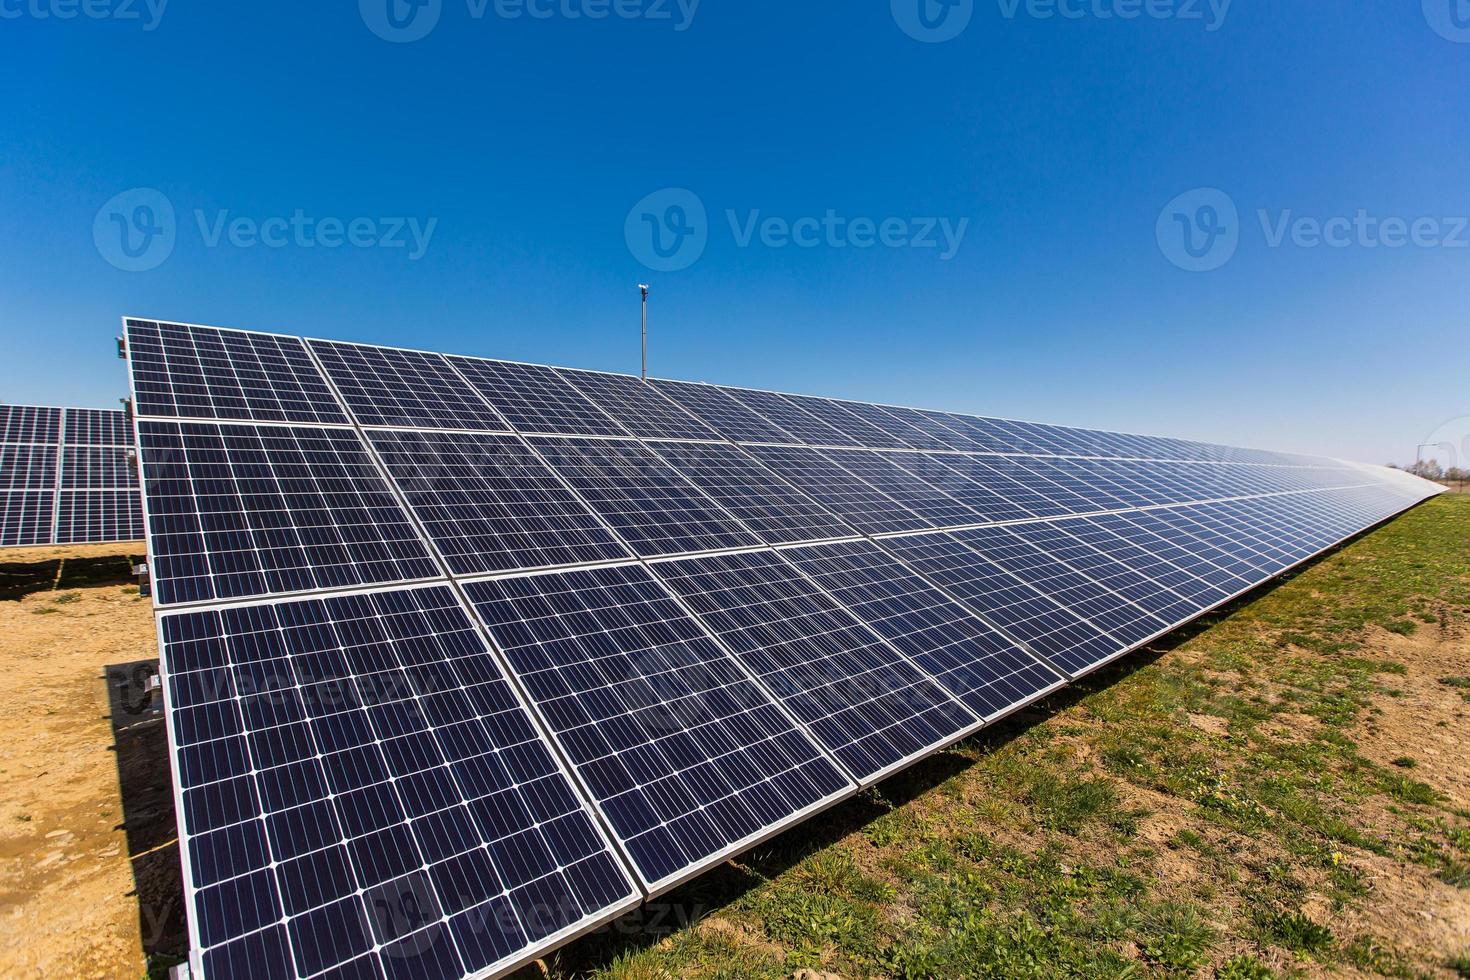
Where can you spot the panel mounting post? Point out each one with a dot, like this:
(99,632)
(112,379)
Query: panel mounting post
(643,290)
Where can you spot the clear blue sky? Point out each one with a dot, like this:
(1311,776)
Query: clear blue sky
(529,140)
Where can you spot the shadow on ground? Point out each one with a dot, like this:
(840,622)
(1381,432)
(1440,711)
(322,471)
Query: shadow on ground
(20,579)
(141,746)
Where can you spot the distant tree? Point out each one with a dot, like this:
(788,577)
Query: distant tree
(1428,469)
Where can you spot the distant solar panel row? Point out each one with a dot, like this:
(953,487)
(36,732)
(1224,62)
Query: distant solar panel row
(67,476)
(464,657)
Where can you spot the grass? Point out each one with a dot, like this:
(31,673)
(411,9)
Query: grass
(1201,811)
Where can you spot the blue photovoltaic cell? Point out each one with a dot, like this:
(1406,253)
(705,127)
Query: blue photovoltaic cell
(684,754)
(916,428)
(361,789)
(1202,589)
(28,467)
(238,510)
(535,399)
(412,389)
(29,423)
(1112,612)
(25,517)
(863,701)
(988,503)
(98,427)
(1016,608)
(717,409)
(791,417)
(203,372)
(490,504)
(885,472)
(638,406)
(764,502)
(98,516)
(98,468)
(856,501)
(990,674)
(862,428)
(645,500)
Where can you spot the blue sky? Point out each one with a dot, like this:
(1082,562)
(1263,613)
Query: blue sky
(520,147)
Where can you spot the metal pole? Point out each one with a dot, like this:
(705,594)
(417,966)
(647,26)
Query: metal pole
(643,289)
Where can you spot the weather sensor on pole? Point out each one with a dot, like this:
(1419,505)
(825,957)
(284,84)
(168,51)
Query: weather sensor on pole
(643,289)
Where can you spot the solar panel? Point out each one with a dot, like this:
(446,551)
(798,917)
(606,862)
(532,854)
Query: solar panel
(856,501)
(637,406)
(716,408)
(535,399)
(860,698)
(29,423)
(791,417)
(182,371)
(688,759)
(489,504)
(26,517)
(27,467)
(478,654)
(642,498)
(241,510)
(989,673)
(384,386)
(361,791)
(763,502)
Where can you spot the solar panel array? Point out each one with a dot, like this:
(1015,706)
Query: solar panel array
(463,658)
(67,476)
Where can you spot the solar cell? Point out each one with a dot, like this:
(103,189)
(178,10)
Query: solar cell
(84,516)
(791,417)
(361,790)
(856,501)
(27,467)
(98,427)
(208,373)
(98,468)
(385,386)
(867,704)
(26,517)
(864,428)
(717,409)
(535,399)
(765,503)
(489,504)
(687,758)
(29,423)
(637,406)
(884,472)
(641,497)
(1017,609)
(943,473)
(989,673)
(239,510)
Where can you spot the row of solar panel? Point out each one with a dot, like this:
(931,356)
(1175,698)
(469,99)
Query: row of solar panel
(67,476)
(183,371)
(241,510)
(441,778)
(363,792)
